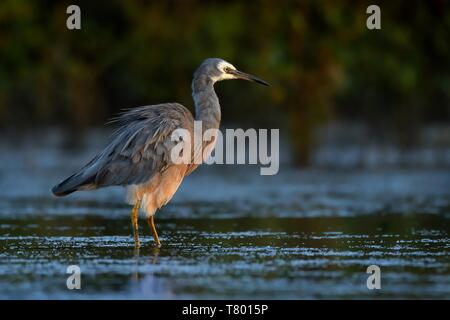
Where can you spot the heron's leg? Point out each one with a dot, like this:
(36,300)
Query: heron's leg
(134,222)
(151,223)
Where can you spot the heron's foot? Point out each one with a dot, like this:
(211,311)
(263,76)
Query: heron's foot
(151,223)
(137,242)
(134,223)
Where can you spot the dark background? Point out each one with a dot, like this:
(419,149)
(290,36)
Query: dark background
(326,68)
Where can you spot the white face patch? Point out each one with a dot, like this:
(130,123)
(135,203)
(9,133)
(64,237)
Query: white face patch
(224,76)
(223,64)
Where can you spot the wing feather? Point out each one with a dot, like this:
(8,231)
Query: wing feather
(140,146)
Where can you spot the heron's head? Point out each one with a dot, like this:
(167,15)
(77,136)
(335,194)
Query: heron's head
(218,69)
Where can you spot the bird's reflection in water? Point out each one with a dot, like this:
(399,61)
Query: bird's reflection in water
(143,281)
(153,259)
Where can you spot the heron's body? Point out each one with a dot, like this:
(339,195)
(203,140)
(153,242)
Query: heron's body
(139,153)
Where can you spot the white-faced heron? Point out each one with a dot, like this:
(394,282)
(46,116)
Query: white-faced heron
(139,153)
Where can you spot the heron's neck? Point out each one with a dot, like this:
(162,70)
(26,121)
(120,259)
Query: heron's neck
(207,107)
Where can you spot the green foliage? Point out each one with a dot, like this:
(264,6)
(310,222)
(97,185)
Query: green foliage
(319,56)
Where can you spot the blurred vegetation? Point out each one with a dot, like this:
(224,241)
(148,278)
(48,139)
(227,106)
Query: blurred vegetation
(322,61)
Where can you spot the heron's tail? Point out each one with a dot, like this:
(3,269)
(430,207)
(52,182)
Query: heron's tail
(75,182)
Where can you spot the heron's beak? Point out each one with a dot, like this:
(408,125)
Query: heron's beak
(245,76)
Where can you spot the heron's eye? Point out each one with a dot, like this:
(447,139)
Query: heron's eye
(226,69)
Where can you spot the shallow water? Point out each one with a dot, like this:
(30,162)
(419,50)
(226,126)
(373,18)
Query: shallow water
(228,233)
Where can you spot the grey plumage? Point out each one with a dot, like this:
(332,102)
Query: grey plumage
(139,153)
(141,145)
(139,148)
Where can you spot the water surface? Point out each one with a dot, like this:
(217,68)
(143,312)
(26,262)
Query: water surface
(228,233)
